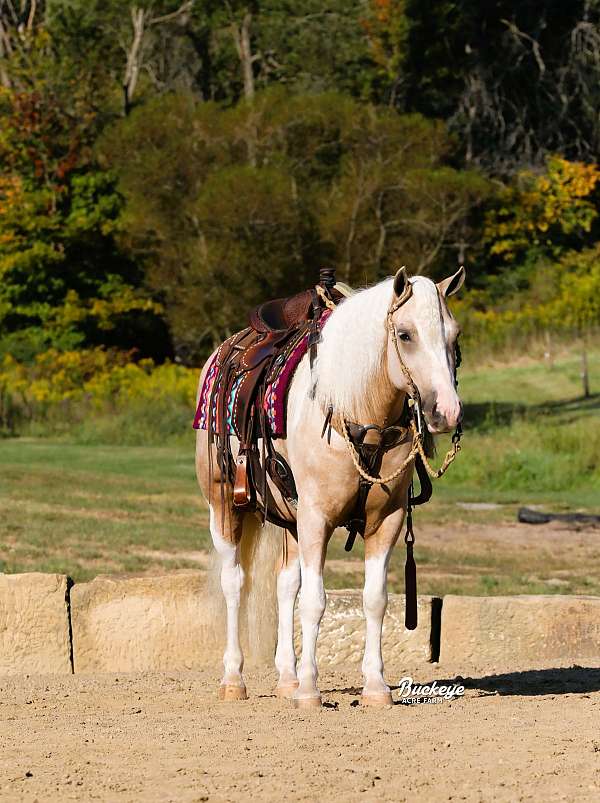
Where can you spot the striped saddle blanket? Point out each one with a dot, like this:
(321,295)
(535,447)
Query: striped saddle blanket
(275,395)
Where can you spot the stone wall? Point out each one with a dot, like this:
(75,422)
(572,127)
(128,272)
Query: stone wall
(143,623)
(34,624)
(520,630)
(176,621)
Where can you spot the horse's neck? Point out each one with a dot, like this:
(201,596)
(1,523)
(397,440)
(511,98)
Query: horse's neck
(387,407)
(390,406)
(384,412)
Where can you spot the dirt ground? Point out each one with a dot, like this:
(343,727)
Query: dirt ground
(530,735)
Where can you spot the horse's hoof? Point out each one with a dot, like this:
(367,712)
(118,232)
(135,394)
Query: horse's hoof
(377,699)
(229,692)
(286,692)
(307,702)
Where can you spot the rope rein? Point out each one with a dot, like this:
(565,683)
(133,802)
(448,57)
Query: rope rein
(417,447)
(324,296)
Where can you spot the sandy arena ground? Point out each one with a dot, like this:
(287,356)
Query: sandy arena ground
(533,735)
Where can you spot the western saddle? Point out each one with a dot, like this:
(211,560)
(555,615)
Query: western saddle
(247,363)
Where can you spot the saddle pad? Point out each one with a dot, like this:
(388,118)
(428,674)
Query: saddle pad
(201,417)
(275,393)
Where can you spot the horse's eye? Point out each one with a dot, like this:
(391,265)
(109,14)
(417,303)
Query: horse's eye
(404,336)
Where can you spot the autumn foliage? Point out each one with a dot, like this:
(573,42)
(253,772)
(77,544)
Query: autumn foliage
(166,165)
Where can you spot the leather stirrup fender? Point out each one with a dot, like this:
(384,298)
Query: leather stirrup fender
(241,484)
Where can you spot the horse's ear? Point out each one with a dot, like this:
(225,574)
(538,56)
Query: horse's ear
(400,282)
(452,284)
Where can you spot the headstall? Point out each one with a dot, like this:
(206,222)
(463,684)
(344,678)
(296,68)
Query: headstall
(417,453)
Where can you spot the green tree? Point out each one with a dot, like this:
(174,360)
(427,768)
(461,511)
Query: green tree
(64,281)
(229,206)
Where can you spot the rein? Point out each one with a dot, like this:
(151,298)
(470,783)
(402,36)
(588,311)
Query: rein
(416,421)
(417,451)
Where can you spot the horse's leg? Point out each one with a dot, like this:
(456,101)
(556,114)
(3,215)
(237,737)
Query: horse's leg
(232,578)
(313,535)
(378,548)
(288,584)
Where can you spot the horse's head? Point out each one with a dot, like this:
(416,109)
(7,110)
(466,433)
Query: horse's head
(426,335)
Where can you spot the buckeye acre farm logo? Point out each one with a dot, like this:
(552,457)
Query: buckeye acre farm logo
(411,694)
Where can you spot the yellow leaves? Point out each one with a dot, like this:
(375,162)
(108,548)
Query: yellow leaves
(11,195)
(101,380)
(11,190)
(106,310)
(539,210)
(571,304)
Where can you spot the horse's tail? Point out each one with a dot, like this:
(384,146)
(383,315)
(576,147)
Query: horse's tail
(260,551)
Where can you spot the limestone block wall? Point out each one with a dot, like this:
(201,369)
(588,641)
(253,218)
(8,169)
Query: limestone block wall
(520,630)
(342,632)
(176,622)
(34,624)
(143,623)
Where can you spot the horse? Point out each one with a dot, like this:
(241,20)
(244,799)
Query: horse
(378,345)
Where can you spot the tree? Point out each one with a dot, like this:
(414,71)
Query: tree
(328,181)
(543,215)
(394,202)
(386,26)
(514,80)
(126,41)
(19,25)
(63,280)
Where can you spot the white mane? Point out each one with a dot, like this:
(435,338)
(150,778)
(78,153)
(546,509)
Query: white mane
(351,370)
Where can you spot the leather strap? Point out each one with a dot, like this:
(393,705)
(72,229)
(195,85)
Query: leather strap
(371,456)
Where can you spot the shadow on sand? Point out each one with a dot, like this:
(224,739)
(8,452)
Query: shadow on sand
(533,682)
(529,683)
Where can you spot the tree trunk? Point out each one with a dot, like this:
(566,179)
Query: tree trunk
(141,20)
(382,234)
(585,374)
(243,45)
(246,57)
(350,238)
(132,68)
(5,50)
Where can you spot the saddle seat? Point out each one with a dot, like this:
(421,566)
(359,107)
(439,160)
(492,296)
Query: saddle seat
(280,314)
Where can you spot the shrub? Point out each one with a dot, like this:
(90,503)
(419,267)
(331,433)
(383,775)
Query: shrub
(96,394)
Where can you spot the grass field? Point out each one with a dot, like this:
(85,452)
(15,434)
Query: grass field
(87,509)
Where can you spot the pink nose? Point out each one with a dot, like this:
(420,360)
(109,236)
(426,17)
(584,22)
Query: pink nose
(446,412)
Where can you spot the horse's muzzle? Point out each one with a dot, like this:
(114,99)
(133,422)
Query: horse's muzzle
(443,420)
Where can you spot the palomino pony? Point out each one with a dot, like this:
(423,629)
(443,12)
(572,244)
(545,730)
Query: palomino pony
(375,347)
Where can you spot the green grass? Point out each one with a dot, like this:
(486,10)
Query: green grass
(529,435)
(87,508)
(526,381)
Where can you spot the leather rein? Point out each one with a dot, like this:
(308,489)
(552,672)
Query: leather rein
(416,423)
(365,459)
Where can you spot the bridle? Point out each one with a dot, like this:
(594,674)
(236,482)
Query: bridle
(416,422)
(417,454)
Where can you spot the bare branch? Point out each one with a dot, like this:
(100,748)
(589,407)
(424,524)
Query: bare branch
(535,45)
(141,22)
(32,12)
(132,68)
(183,9)
(243,45)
